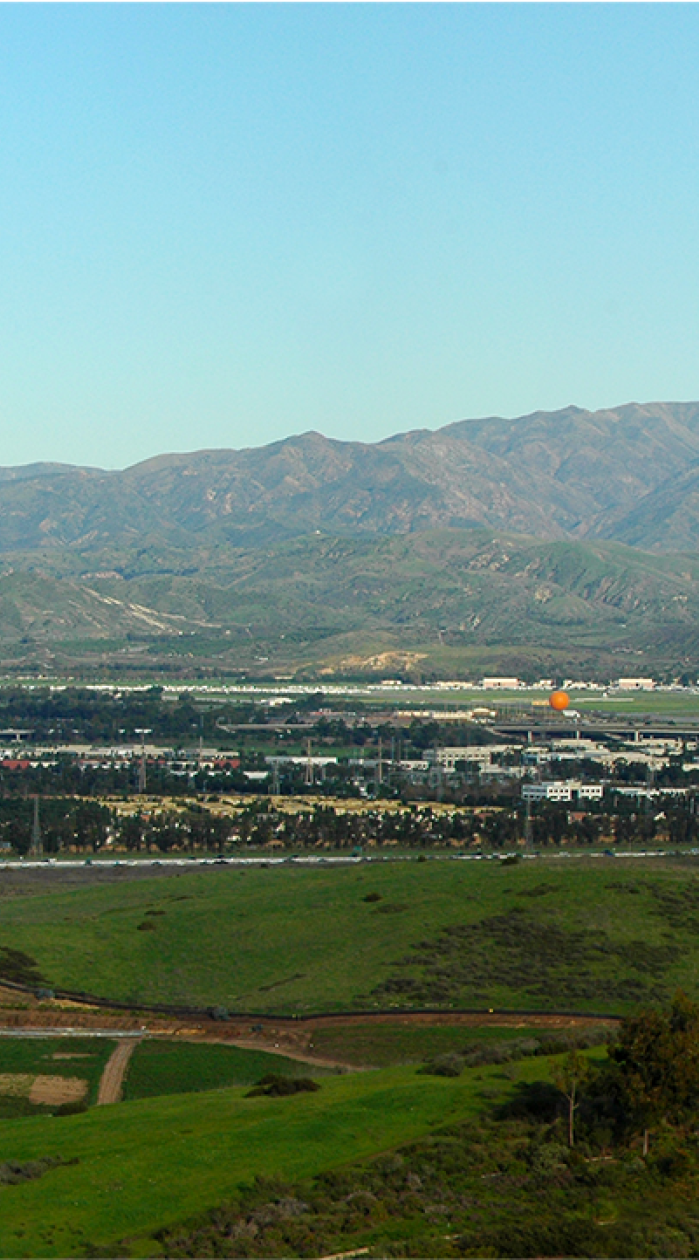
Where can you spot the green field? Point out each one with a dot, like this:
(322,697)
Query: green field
(601,936)
(188,1155)
(397,1161)
(378,1045)
(170,1067)
(83,1057)
(144,1165)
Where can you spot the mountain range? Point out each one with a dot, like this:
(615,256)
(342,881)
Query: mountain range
(630,474)
(549,534)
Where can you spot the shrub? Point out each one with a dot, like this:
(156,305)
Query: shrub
(274,1086)
(444,1065)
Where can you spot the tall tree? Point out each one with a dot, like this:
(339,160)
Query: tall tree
(569,1076)
(657,1065)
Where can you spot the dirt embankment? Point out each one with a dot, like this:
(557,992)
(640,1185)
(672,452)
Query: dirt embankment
(291,1037)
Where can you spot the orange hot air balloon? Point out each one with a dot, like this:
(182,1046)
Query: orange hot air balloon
(559,700)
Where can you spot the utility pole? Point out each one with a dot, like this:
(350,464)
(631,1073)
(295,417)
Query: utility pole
(309,767)
(379,767)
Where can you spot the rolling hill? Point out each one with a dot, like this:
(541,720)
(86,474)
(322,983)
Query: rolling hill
(437,600)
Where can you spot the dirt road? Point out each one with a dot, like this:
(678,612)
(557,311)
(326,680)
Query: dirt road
(115,1071)
(286,1036)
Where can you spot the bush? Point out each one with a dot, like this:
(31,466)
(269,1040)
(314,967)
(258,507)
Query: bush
(479,1055)
(70,1108)
(444,1065)
(575,1039)
(274,1086)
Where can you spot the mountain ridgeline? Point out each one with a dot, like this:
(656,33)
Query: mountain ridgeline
(486,540)
(630,475)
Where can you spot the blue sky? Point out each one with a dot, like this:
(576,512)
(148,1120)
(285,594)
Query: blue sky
(223,224)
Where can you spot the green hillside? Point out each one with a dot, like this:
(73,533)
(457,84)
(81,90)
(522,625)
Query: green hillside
(579,935)
(125,1171)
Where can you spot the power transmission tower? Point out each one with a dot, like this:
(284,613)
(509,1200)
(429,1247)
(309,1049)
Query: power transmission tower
(142,762)
(36,848)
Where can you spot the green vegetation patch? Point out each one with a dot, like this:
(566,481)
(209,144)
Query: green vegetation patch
(18,967)
(501,1188)
(82,1057)
(165,1067)
(535,956)
(373,1044)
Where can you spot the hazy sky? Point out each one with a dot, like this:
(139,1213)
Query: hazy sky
(222,224)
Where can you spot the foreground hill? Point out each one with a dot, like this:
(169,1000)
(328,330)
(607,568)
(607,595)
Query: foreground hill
(617,474)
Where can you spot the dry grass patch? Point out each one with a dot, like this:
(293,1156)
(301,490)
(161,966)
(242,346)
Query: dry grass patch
(49,1091)
(54,1091)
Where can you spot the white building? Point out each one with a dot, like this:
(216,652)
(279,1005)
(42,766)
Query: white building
(448,758)
(562,790)
(554,790)
(589,791)
(301,761)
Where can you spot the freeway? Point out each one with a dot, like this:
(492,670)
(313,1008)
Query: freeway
(588,727)
(349,859)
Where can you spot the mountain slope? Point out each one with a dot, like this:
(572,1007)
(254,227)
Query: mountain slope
(618,474)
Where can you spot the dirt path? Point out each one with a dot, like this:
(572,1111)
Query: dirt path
(115,1071)
(287,1052)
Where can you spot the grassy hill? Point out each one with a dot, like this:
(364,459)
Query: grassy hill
(148,1164)
(589,936)
(398,1160)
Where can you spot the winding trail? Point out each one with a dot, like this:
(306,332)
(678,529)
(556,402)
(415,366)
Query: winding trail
(115,1071)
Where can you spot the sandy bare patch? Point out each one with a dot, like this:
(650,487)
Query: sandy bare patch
(69,1056)
(56,1090)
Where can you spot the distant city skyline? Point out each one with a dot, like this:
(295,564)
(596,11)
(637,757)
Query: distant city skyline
(224,224)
